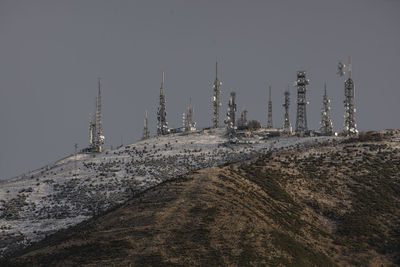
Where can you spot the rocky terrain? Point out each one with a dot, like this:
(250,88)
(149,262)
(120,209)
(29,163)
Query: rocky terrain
(327,203)
(37,204)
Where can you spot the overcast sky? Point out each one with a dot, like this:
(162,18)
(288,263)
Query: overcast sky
(51,53)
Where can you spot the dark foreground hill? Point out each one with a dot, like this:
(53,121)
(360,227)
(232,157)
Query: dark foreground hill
(324,206)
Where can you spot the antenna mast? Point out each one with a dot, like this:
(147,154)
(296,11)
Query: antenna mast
(287,128)
(146,132)
(326,122)
(216,97)
(230,118)
(162,126)
(269,120)
(301,119)
(350,127)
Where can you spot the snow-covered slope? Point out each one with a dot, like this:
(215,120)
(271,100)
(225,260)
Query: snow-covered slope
(59,195)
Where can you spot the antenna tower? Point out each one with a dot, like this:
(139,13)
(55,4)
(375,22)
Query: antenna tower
(301,119)
(188,123)
(216,97)
(146,131)
(230,118)
(287,128)
(326,122)
(269,120)
(242,121)
(350,127)
(162,125)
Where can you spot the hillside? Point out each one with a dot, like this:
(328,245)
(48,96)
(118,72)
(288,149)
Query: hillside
(322,205)
(76,188)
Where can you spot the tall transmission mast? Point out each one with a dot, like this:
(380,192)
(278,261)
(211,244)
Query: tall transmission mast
(350,127)
(162,125)
(326,122)
(188,123)
(269,120)
(146,131)
(92,133)
(230,115)
(216,97)
(287,128)
(99,138)
(301,119)
(242,121)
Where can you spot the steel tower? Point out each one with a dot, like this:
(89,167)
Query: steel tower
(301,119)
(146,131)
(162,124)
(326,126)
(216,97)
(97,128)
(242,122)
(269,120)
(350,127)
(287,128)
(188,123)
(230,115)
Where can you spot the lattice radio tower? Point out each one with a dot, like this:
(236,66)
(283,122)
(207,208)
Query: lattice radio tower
(326,126)
(146,131)
(350,127)
(216,97)
(269,120)
(162,124)
(301,119)
(230,115)
(188,123)
(98,139)
(287,128)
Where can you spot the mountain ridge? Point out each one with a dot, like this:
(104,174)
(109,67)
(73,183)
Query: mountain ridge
(324,205)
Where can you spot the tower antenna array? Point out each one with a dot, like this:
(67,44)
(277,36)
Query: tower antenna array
(350,127)
(326,122)
(230,115)
(146,131)
(301,119)
(287,128)
(269,120)
(162,125)
(216,97)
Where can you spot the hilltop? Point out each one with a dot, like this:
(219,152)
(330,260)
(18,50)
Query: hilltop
(57,196)
(324,205)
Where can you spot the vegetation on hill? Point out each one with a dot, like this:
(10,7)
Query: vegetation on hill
(328,205)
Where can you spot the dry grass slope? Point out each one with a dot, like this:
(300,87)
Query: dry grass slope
(324,206)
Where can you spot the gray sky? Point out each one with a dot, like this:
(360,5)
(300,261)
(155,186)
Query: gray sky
(51,53)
